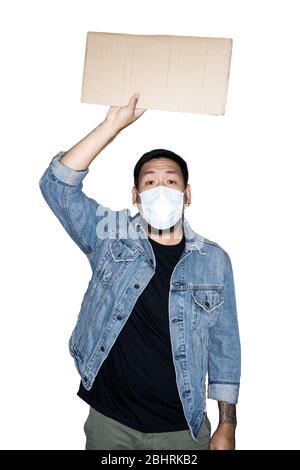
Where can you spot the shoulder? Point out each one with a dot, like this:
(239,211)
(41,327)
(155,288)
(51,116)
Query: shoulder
(213,248)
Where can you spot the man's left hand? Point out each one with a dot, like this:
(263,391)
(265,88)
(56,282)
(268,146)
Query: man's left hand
(223,438)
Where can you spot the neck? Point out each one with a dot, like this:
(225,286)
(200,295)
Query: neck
(170,236)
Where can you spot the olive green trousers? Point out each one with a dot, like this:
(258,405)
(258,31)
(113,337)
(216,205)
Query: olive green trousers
(105,433)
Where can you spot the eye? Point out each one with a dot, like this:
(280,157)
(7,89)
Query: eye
(172,181)
(149,182)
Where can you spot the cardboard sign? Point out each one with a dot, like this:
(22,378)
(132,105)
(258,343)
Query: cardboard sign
(172,73)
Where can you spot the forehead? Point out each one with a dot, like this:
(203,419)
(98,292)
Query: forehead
(160,165)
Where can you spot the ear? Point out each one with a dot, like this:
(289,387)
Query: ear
(135,196)
(188,195)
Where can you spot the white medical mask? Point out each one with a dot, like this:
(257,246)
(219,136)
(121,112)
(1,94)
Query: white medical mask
(162,207)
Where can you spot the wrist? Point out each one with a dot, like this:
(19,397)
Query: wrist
(227,428)
(110,127)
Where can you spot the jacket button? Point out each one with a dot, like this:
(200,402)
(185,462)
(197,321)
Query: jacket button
(119,317)
(136,286)
(206,304)
(102,348)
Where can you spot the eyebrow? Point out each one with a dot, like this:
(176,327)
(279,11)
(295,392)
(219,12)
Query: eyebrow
(147,172)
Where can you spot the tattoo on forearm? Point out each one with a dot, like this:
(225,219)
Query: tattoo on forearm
(227,412)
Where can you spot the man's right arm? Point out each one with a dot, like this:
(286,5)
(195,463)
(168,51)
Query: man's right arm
(81,155)
(61,183)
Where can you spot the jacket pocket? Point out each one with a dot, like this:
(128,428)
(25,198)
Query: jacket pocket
(115,262)
(124,250)
(206,301)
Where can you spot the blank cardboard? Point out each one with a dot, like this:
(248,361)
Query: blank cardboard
(171,73)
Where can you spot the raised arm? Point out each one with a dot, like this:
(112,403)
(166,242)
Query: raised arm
(61,183)
(80,156)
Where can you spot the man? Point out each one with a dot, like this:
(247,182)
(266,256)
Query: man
(159,313)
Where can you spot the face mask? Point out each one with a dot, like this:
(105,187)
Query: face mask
(162,207)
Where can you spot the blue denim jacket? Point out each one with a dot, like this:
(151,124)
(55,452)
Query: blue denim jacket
(202,308)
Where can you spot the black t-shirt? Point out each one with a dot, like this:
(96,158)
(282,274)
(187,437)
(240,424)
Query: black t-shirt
(136,384)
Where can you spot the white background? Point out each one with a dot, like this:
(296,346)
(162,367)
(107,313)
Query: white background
(244,178)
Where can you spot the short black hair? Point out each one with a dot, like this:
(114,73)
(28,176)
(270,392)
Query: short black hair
(160,153)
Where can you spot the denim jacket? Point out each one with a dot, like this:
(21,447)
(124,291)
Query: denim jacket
(202,307)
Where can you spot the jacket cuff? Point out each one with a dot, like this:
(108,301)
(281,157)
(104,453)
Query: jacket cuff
(224,392)
(64,173)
